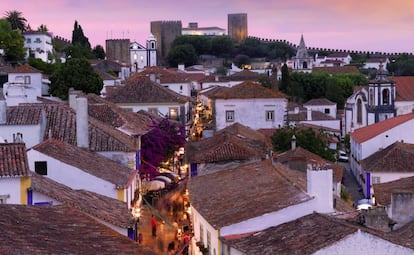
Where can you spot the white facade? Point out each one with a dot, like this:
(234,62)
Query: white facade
(363,243)
(183,88)
(161,109)
(326,109)
(30,134)
(375,63)
(143,56)
(344,57)
(10,191)
(39,44)
(24,88)
(255,113)
(71,176)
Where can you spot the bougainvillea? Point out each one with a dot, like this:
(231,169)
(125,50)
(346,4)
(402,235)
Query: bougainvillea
(159,144)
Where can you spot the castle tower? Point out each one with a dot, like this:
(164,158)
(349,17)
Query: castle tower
(302,62)
(118,50)
(165,32)
(237,26)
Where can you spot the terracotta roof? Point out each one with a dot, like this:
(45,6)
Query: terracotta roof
(215,78)
(235,142)
(249,89)
(61,121)
(214,90)
(383,191)
(117,117)
(305,235)
(404,86)
(303,116)
(87,161)
(16,115)
(48,229)
(105,76)
(319,101)
(13,160)
(338,55)
(336,69)
(144,91)
(105,208)
(396,158)
(317,128)
(245,192)
(245,75)
(167,75)
(25,69)
(364,134)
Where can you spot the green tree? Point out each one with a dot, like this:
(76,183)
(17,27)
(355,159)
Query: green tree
(43,28)
(98,52)
(241,60)
(77,51)
(12,42)
(182,54)
(201,44)
(253,48)
(16,20)
(284,83)
(76,73)
(78,37)
(279,50)
(222,46)
(46,68)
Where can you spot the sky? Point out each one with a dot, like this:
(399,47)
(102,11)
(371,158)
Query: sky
(367,25)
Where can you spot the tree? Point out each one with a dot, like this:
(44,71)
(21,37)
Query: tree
(16,20)
(253,48)
(284,83)
(182,54)
(76,73)
(222,46)
(160,143)
(43,28)
(98,52)
(78,38)
(12,42)
(241,60)
(201,44)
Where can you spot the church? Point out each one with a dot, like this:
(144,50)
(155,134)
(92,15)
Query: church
(384,97)
(143,56)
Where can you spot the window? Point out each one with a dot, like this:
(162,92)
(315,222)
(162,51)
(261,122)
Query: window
(229,116)
(376,179)
(41,167)
(327,111)
(359,111)
(173,113)
(153,111)
(27,79)
(385,97)
(3,199)
(270,115)
(29,40)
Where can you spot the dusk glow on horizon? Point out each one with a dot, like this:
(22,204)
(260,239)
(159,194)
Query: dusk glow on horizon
(384,26)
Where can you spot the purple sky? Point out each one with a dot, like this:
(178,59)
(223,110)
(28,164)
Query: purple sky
(374,25)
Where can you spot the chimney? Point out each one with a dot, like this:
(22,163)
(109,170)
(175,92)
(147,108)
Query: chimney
(152,77)
(320,187)
(293,142)
(82,132)
(377,218)
(309,114)
(72,97)
(181,67)
(3,108)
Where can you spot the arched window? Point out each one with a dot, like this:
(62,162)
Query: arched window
(385,97)
(305,65)
(359,111)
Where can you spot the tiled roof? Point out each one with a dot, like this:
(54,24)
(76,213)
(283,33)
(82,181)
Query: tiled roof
(235,142)
(105,208)
(245,75)
(25,69)
(144,91)
(233,195)
(87,161)
(13,160)
(214,90)
(396,158)
(338,55)
(404,87)
(167,75)
(305,235)
(61,122)
(316,127)
(364,134)
(336,69)
(376,60)
(215,78)
(249,89)
(319,101)
(303,116)
(117,117)
(105,76)
(16,115)
(383,191)
(59,229)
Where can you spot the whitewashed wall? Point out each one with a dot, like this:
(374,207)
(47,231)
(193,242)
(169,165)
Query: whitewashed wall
(11,187)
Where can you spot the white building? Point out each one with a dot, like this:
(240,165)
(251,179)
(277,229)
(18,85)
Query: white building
(375,63)
(193,29)
(39,44)
(143,56)
(25,84)
(302,62)
(251,105)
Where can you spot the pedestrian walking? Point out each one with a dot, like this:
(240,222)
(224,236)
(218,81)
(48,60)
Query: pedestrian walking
(154,225)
